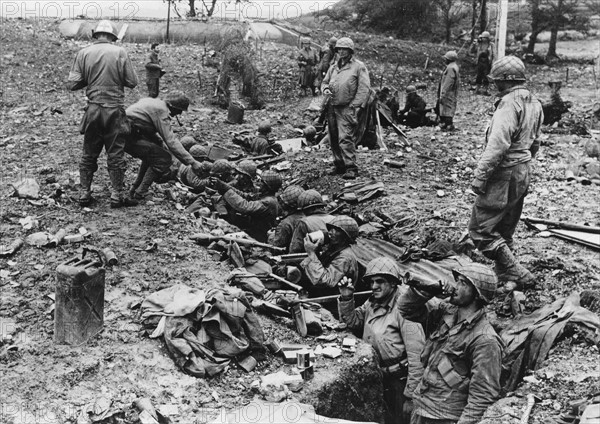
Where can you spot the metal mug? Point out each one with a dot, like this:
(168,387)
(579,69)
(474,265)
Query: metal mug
(319,237)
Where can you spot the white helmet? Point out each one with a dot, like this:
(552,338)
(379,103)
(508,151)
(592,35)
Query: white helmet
(105,27)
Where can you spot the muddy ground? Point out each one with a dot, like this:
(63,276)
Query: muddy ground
(42,382)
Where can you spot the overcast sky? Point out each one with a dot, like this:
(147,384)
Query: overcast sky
(67,9)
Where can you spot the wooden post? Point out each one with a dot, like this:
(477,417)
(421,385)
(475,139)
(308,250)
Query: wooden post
(168,19)
(502,18)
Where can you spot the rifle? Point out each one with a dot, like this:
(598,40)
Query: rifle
(203,238)
(327,299)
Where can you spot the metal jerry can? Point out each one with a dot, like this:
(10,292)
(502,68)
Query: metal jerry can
(79,301)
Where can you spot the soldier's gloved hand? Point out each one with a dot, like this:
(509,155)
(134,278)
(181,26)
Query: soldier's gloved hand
(221,187)
(478,186)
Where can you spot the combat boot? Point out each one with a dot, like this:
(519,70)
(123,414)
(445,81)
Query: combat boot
(85,192)
(350,174)
(118,197)
(143,188)
(509,270)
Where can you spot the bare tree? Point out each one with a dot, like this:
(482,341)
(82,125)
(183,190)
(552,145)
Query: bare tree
(483,23)
(208,6)
(538,24)
(452,12)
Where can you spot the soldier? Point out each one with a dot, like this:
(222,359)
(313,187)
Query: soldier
(315,219)
(463,357)
(288,202)
(484,53)
(325,271)
(397,341)
(414,113)
(153,71)
(246,171)
(448,92)
(326,61)
(307,60)
(105,69)
(255,217)
(150,126)
(503,172)
(347,85)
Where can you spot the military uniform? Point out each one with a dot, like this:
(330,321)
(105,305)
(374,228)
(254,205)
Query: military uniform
(326,271)
(415,110)
(484,52)
(398,343)
(350,86)
(255,217)
(153,74)
(448,91)
(105,69)
(511,142)
(316,221)
(307,60)
(285,230)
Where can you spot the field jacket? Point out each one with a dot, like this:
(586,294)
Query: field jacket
(349,84)
(316,222)
(331,267)
(284,231)
(512,136)
(105,69)
(396,340)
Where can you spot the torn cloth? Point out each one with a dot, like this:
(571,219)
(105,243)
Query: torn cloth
(203,332)
(529,339)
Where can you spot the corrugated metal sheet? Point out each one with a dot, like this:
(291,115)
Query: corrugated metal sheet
(423,270)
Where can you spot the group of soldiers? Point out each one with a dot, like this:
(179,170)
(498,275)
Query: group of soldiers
(439,355)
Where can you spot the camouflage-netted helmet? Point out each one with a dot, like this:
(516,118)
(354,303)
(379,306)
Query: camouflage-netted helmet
(384,266)
(485,34)
(310,199)
(272,179)
(177,100)
(187,142)
(104,27)
(247,167)
(451,56)
(482,277)
(309,132)
(199,152)
(264,127)
(347,225)
(290,196)
(221,168)
(411,89)
(333,41)
(509,68)
(344,43)
(206,167)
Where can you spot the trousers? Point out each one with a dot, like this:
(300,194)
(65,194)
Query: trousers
(342,136)
(153,154)
(153,85)
(102,128)
(394,399)
(496,213)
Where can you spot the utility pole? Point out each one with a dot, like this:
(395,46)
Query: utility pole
(168,19)
(502,22)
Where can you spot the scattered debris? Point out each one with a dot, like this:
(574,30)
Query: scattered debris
(27,188)
(7,250)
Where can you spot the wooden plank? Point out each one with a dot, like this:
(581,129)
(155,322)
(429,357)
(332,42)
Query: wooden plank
(587,239)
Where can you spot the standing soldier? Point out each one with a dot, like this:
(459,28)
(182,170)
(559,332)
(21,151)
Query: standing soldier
(463,356)
(484,53)
(347,84)
(326,61)
(307,60)
(397,341)
(153,71)
(502,175)
(448,92)
(105,69)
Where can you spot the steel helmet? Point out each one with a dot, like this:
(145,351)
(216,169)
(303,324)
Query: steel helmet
(485,34)
(344,43)
(411,89)
(290,196)
(304,40)
(247,167)
(105,27)
(198,152)
(264,127)
(309,132)
(206,168)
(221,168)
(482,277)
(272,180)
(384,266)
(347,225)
(451,56)
(508,68)
(187,142)
(310,199)
(177,100)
